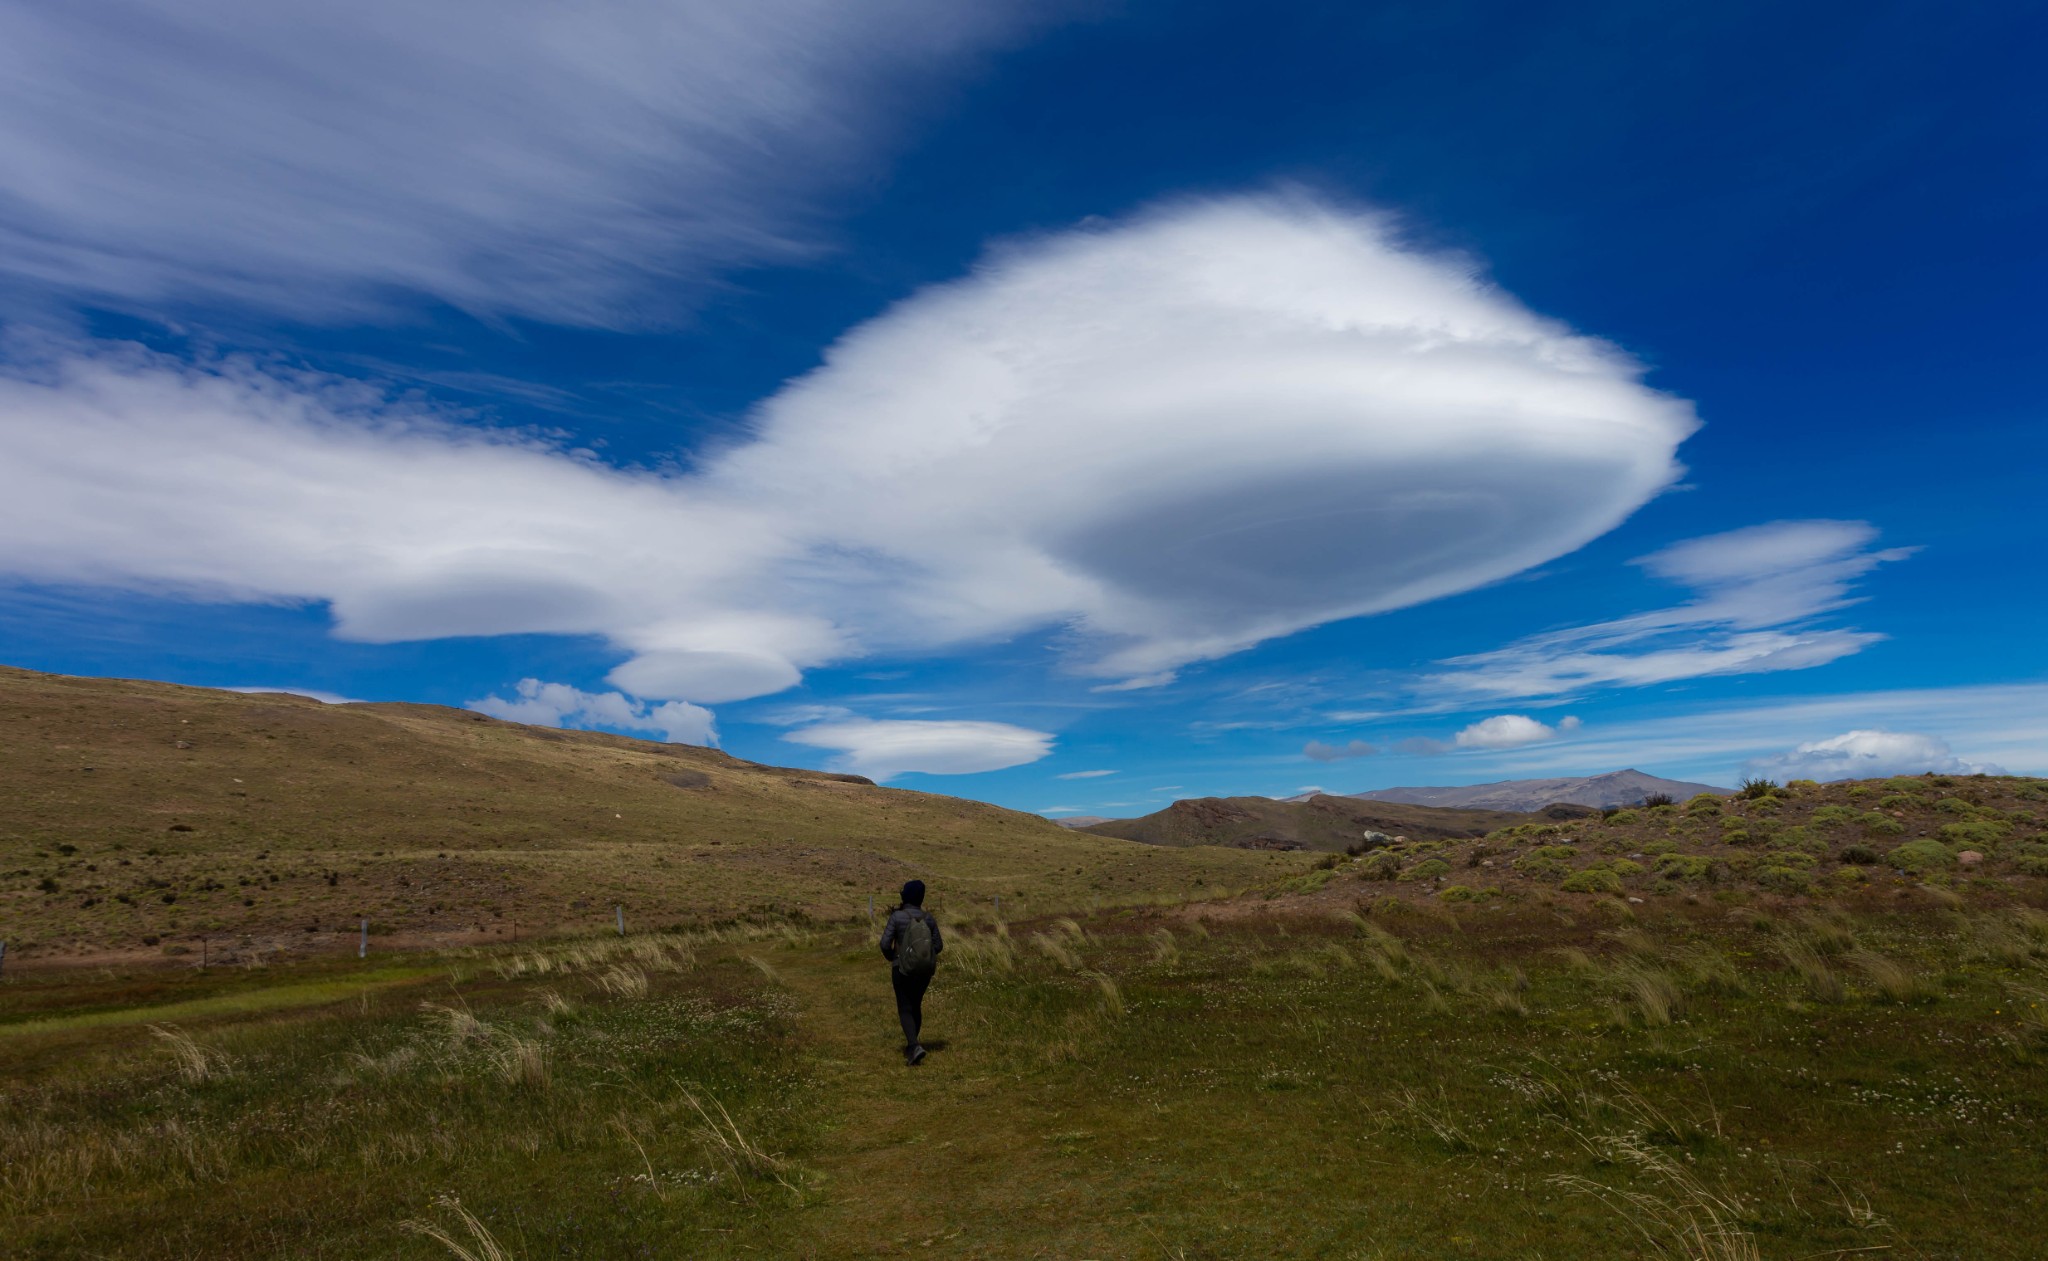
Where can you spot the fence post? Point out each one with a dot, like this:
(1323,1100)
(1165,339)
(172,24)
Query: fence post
(871,910)
(363,947)
(999,906)
(202,954)
(620,908)
(3,956)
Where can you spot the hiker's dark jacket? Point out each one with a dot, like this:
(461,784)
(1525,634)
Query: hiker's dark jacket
(899,919)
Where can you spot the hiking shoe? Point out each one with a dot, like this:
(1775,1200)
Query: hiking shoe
(914,1056)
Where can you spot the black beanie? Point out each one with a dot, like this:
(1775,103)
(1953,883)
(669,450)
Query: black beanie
(913,893)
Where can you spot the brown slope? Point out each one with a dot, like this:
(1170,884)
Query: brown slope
(136,810)
(1319,823)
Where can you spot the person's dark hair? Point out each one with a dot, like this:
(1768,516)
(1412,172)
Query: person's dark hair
(913,893)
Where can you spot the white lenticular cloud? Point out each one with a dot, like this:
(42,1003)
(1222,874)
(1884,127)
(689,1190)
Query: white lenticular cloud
(1171,439)
(310,693)
(560,705)
(885,748)
(1867,754)
(566,162)
(1510,731)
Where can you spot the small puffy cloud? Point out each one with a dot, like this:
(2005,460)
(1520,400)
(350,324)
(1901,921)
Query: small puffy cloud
(311,693)
(1084,774)
(1758,591)
(885,748)
(1867,754)
(1318,751)
(1057,440)
(560,705)
(1508,731)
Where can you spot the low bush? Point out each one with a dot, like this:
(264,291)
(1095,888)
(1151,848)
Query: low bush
(1921,856)
(1880,824)
(1687,867)
(1657,847)
(1625,868)
(1381,866)
(1801,839)
(1592,880)
(1904,784)
(1955,805)
(1736,836)
(1465,893)
(1538,868)
(1897,801)
(1833,814)
(1624,817)
(1704,804)
(1428,869)
(1783,879)
(2030,865)
(1860,855)
(1757,789)
(1976,834)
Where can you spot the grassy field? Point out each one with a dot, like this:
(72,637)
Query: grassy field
(149,820)
(1268,1077)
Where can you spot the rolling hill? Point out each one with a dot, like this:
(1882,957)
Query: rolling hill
(140,817)
(1318,823)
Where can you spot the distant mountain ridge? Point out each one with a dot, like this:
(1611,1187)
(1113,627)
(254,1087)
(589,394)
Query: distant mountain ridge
(1615,788)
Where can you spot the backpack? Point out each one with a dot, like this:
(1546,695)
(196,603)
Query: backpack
(914,953)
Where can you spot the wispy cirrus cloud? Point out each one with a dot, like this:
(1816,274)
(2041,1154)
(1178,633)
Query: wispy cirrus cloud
(1760,591)
(1084,774)
(1996,725)
(578,164)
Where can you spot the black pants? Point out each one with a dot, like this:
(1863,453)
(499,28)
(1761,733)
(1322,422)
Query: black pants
(910,1002)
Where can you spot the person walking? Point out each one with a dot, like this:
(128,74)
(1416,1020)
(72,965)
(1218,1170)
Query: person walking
(911,944)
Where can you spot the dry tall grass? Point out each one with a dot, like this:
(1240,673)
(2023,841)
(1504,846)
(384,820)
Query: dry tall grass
(1688,1219)
(1822,985)
(1890,979)
(194,1062)
(481,1245)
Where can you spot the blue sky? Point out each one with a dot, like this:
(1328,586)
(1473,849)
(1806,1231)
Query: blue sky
(1074,406)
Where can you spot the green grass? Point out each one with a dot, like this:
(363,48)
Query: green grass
(1247,1079)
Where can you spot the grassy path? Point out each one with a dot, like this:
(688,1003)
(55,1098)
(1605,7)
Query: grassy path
(901,1138)
(954,1155)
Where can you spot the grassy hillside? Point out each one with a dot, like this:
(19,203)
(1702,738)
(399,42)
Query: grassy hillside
(144,818)
(1291,1081)
(1326,823)
(1800,842)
